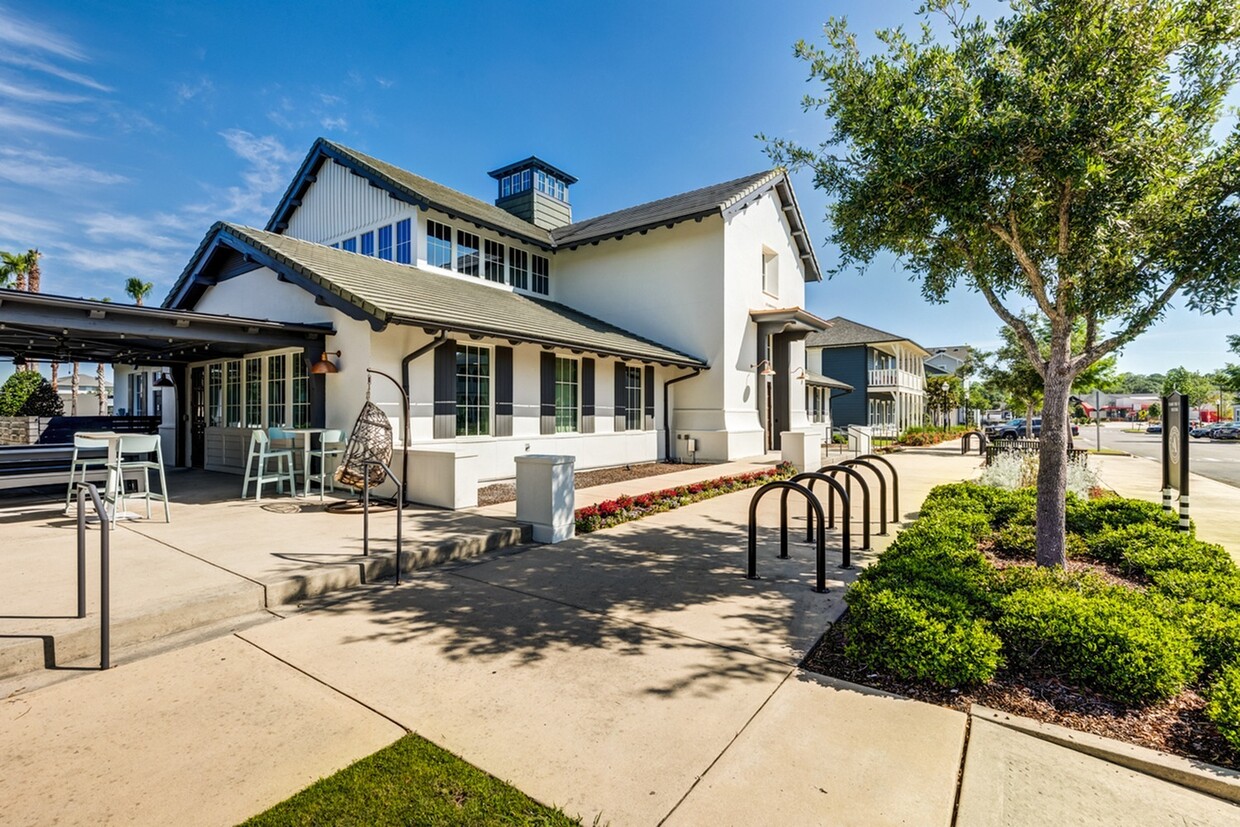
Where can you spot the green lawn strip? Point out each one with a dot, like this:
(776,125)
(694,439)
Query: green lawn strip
(1108,452)
(410,782)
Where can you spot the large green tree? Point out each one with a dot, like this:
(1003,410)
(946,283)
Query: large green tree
(1196,386)
(1062,157)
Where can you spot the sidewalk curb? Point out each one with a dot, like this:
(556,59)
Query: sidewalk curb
(1219,782)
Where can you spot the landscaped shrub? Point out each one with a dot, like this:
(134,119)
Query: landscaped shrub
(1031,578)
(1224,704)
(965,496)
(1108,642)
(1216,631)
(1087,517)
(1145,548)
(959,578)
(27,393)
(901,634)
(624,508)
(1217,587)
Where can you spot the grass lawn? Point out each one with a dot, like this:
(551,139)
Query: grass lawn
(1108,452)
(410,782)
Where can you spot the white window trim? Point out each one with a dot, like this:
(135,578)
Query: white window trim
(490,434)
(577,360)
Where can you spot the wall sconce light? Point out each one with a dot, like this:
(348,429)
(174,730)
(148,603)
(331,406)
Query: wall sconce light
(164,381)
(799,374)
(766,369)
(325,365)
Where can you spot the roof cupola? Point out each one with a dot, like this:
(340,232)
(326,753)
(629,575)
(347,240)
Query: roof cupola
(535,191)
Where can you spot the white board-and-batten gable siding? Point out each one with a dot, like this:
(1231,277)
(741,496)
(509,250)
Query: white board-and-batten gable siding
(339,203)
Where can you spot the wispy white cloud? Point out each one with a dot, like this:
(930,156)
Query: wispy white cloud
(17,122)
(21,32)
(186,92)
(36,94)
(25,62)
(161,231)
(38,169)
(340,124)
(24,230)
(268,168)
(125,262)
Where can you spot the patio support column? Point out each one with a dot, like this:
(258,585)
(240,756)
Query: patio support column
(182,395)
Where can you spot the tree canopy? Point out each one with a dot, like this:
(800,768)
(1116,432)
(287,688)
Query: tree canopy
(1062,157)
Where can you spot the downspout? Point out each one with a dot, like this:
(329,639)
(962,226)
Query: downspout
(667,414)
(404,381)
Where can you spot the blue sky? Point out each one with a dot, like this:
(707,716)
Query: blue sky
(127,128)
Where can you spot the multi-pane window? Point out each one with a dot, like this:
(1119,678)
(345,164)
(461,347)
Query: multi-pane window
(438,244)
(816,404)
(519,268)
(349,245)
(385,243)
(253,393)
(232,394)
(632,398)
(301,392)
(137,394)
(566,396)
(466,253)
(493,260)
(473,390)
(404,241)
(770,272)
(277,378)
(215,393)
(368,243)
(542,275)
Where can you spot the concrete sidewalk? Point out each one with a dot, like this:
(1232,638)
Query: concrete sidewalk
(633,674)
(1214,506)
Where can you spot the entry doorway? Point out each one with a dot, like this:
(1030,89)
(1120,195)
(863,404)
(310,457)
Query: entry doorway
(198,417)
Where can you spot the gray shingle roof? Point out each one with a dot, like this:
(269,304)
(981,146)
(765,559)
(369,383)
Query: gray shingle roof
(702,202)
(812,378)
(415,189)
(446,199)
(844,332)
(403,294)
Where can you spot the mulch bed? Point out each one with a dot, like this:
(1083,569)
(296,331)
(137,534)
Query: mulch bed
(504,492)
(1177,726)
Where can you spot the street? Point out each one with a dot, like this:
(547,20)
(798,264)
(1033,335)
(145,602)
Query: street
(1216,460)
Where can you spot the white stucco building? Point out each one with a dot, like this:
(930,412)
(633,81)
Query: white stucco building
(672,326)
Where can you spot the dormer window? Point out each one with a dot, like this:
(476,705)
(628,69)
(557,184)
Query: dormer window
(535,191)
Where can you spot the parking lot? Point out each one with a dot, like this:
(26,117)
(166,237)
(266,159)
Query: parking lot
(1216,460)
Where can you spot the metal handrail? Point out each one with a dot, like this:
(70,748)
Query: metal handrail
(105,529)
(400,507)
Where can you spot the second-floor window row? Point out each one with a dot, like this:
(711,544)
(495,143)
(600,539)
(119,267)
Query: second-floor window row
(458,250)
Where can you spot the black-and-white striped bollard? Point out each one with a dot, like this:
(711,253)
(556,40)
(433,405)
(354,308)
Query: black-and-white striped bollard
(1184,526)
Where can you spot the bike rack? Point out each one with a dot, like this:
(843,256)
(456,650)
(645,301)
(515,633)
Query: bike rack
(752,573)
(400,507)
(105,530)
(981,443)
(846,504)
(895,484)
(882,491)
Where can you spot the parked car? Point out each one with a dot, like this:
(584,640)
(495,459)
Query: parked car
(1154,428)
(1016,429)
(1229,432)
(1205,430)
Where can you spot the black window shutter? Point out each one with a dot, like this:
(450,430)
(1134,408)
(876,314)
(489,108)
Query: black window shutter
(445,390)
(622,398)
(648,388)
(587,396)
(547,396)
(503,391)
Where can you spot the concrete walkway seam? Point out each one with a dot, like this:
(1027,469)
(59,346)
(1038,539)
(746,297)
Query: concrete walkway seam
(319,680)
(1198,776)
(727,747)
(964,752)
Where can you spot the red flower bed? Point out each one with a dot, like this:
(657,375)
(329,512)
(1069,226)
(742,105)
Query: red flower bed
(624,508)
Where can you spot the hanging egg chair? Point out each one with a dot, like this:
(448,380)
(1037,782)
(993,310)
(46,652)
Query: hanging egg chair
(370,441)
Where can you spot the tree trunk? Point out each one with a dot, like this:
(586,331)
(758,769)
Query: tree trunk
(1053,455)
(73,389)
(1028,419)
(103,391)
(55,376)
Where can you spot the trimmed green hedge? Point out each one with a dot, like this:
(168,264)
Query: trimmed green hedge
(1108,642)
(934,608)
(1224,705)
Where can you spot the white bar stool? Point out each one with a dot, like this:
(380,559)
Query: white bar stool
(141,446)
(260,449)
(331,444)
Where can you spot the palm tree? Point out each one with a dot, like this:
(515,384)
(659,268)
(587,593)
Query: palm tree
(33,273)
(74,386)
(103,393)
(55,377)
(138,289)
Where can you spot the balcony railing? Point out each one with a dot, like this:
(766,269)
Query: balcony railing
(894,378)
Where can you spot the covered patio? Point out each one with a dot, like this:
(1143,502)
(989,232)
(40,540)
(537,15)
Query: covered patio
(38,327)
